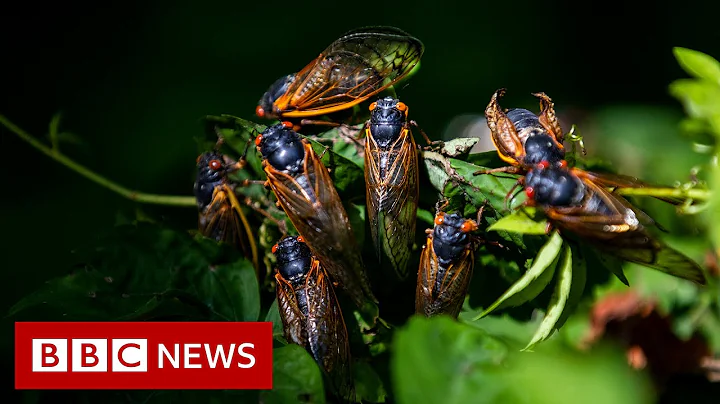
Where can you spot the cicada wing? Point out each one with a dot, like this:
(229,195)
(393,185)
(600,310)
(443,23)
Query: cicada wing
(353,68)
(427,273)
(549,120)
(327,334)
(624,181)
(452,284)
(620,229)
(503,133)
(314,207)
(225,222)
(392,198)
(292,317)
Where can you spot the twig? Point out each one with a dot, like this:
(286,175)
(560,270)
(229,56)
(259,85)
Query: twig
(698,194)
(170,200)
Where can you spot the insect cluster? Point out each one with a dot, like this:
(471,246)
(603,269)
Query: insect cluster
(325,255)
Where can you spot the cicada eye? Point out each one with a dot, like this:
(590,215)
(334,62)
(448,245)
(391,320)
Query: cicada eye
(543,164)
(439,219)
(401,106)
(563,164)
(373,106)
(215,165)
(300,239)
(468,226)
(530,192)
(258,140)
(260,112)
(274,249)
(287,124)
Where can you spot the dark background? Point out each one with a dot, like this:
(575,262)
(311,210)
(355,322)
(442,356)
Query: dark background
(133,79)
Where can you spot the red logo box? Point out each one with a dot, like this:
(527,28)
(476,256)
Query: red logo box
(143,355)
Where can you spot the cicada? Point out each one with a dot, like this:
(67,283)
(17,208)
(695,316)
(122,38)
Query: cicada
(306,193)
(391,180)
(523,138)
(310,312)
(220,215)
(355,67)
(446,266)
(574,202)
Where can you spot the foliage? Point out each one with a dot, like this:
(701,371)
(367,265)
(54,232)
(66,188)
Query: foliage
(527,285)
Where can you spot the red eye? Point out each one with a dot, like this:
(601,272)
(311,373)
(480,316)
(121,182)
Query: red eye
(401,106)
(543,164)
(259,111)
(287,124)
(439,219)
(215,165)
(301,239)
(258,140)
(530,192)
(274,249)
(373,106)
(563,164)
(468,226)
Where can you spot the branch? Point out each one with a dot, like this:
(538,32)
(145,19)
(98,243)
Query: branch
(696,194)
(170,200)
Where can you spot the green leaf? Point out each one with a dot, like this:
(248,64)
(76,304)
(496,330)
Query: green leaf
(436,172)
(490,188)
(458,146)
(273,316)
(698,64)
(438,360)
(700,98)
(579,278)
(230,290)
(296,378)
(558,300)
(535,279)
(522,221)
(425,216)
(143,270)
(348,177)
(368,385)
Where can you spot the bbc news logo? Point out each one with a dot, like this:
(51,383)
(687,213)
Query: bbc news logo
(143,355)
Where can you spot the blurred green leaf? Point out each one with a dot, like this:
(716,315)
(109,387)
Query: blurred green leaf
(521,221)
(559,298)
(698,64)
(425,216)
(296,378)
(485,188)
(368,385)
(438,360)
(535,279)
(273,316)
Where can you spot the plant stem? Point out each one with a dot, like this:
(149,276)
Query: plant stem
(170,200)
(697,194)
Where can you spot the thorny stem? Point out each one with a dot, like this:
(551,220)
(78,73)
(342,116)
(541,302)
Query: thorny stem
(170,200)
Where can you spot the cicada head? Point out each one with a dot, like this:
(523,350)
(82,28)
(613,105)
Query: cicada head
(211,173)
(265,108)
(553,186)
(451,236)
(387,118)
(540,147)
(282,147)
(293,258)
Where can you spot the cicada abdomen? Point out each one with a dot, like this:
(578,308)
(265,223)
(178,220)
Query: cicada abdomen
(306,193)
(391,181)
(311,314)
(446,266)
